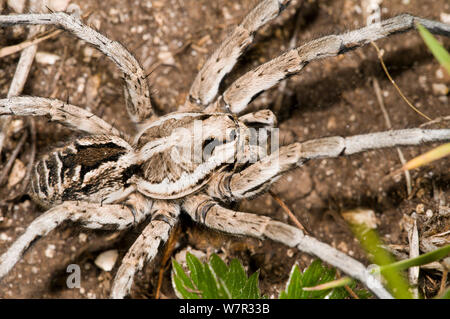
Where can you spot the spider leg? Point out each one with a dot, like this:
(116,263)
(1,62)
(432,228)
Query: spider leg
(72,116)
(259,176)
(208,212)
(137,94)
(261,118)
(206,83)
(240,93)
(145,248)
(89,215)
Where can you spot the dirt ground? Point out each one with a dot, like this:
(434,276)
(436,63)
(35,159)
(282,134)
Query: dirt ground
(330,97)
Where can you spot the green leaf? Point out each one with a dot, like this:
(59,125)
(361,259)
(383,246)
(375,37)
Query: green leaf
(293,286)
(214,280)
(182,283)
(435,47)
(396,281)
(423,259)
(445,295)
(218,265)
(251,289)
(196,269)
(316,274)
(235,278)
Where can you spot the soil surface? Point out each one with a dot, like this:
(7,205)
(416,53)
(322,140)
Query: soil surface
(335,96)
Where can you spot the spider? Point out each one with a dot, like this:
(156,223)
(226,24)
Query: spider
(110,180)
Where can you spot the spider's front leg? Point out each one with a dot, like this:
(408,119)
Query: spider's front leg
(244,89)
(205,210)
(164,216)
(206,84)
(259,176)
(137,93)
(89,215)
(72,116)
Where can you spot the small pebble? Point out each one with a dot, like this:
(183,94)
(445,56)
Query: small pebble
(440,89)
(57,5)
(50,251)
(17,5)
(46,58)
(445,17)
(107,259)
(290,253)
(429,213)
(82,237)
(360,216)
(166,57)
(331,124)
(4,237)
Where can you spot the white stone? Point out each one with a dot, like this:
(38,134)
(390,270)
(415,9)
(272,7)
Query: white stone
(166,58)
(106,260)
(17,5)
(57,5)
(360,216)
(82,237)
(46,58)
(50,251)
(445,17)
(440,89)
(4,237)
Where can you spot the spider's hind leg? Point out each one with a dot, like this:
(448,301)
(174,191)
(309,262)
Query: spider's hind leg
(89,215)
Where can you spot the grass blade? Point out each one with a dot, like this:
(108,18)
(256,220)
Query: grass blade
(435,47)
(428,157)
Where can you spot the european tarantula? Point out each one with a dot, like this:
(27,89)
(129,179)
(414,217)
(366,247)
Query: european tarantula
(110,180)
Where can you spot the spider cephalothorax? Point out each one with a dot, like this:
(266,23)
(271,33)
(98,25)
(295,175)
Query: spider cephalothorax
(187,149)
(193,160)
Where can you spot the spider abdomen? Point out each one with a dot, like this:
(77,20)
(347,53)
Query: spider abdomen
(87,169)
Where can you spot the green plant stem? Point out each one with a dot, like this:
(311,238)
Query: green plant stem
(418,261)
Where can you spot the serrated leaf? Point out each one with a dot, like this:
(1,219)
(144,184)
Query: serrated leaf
(251,289)
(196,269)
(210,284)
(293,285)
(218,265)
(235,278)
(182,283)
(214,280)
(316,274)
